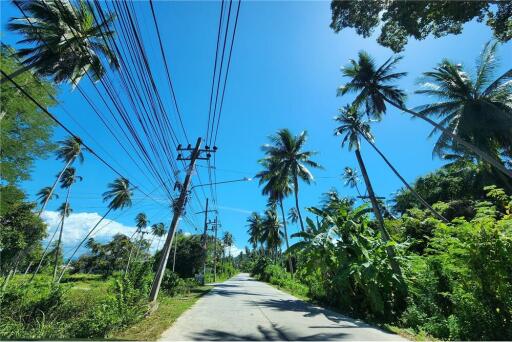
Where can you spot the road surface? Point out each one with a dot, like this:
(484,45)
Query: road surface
(243,309)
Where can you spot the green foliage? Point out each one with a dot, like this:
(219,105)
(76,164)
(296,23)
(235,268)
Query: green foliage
(39,310)
(458,275)
(108,258)
(458,184)
(20,229)
(399,20)
(189,256)
(170,282)
(84,49)
(462,288)
(26,132)
(270,272)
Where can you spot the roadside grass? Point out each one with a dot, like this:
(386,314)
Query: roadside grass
(88,290)
(169,309)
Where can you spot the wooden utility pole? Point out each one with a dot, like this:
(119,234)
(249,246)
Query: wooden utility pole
(195,155)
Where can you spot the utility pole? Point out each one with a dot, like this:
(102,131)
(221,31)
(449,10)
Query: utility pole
(205,241)
(180,204)
(204,238)
(175,249)
(215,252)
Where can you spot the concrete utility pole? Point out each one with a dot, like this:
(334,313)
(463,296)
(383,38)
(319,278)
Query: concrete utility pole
(175,249)
(215,252)
(205,241)
(195,155)
(204,238)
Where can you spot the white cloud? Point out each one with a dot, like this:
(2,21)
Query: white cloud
(77,225)
(234,251)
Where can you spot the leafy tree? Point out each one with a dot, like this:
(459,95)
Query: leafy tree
(452,295)
(65,40)
(477,109)
(189,255)
(119,196)
(285,159)
(105,258)
(374,91)
(26,132)
(399,20)
(19,228)
(459,185)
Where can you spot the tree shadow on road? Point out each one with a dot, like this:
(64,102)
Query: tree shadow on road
(264,334)
(311,311)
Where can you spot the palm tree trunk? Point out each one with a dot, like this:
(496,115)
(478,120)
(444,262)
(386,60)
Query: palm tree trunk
(290,264)
(53,187)
(378,215)
(81,243)
(45,252)
(130,254)
(432,210)
(57,252)
(16,73)
(296,192)
(12,271)
(56,261)
(28,267)
(497,164)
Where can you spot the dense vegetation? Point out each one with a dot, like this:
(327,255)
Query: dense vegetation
(100,299)
(458,276)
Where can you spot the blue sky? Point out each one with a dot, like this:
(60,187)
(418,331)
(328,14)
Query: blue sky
(284,73)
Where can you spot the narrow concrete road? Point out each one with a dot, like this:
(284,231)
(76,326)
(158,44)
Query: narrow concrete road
(242,309)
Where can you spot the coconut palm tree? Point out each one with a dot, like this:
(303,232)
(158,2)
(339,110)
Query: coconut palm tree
(255,224)
(70,150)
(351,178)
(65,42)
(293,217)
(68,178)
(141,222)
(119,196)
(271,233)
(374,91)
(228,241)
(64,211)
(352,127)
(285,158)
(476,109)
(158,230)
(46,194)
(277,187)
